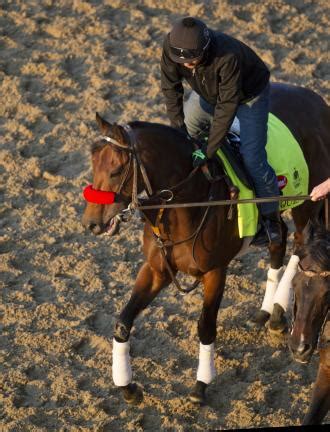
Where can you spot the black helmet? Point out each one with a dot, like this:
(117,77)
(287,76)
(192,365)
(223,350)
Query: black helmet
(188,39)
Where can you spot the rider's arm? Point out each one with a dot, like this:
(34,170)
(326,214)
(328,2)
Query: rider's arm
(171,84)
(227,103)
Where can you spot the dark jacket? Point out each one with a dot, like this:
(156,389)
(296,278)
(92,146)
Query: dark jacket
(230,74)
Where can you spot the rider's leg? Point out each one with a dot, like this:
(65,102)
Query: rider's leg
(198,115)
(253,117)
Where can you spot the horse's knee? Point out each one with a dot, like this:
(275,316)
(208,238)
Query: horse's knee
(206,330)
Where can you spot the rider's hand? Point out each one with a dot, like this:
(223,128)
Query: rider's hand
(199,158)
(321,191)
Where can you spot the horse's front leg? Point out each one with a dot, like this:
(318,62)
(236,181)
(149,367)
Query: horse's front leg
(148,284)
(320,403)
(214,282)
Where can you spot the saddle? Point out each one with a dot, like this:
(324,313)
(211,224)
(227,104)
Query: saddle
(230,149)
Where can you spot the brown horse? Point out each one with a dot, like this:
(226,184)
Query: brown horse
(311,315)
(197,243)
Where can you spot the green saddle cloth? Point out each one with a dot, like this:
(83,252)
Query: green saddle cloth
(286,157)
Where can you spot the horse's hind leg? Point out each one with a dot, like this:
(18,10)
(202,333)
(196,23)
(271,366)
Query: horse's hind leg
(320,403)
(147,286)
(214,282)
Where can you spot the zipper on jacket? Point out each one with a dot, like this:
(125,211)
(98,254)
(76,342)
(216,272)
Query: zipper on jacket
(203,76)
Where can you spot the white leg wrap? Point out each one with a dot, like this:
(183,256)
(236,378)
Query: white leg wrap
(284,290)
(121,363)
(206,369)
(273,279)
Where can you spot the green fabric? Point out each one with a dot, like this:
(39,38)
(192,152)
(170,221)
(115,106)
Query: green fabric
(286,157)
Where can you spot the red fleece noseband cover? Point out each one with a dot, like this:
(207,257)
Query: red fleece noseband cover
(96,196)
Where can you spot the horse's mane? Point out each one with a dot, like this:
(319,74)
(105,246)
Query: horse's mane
(317,244)
(116,132)
(181,141)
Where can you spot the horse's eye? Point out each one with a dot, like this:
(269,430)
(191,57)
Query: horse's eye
(115,173)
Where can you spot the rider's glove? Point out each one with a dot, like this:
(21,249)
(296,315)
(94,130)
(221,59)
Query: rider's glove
(199,158)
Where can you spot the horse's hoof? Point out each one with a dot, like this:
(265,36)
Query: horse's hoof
(197,396)
(133,394)
(278,323)
(259,320)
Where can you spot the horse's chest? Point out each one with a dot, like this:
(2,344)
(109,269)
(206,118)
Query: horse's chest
(185,260)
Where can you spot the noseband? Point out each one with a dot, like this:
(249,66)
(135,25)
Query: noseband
(310,274)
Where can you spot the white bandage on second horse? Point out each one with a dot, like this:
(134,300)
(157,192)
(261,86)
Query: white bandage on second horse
(284,290)
(273,279)
(206,369)
(121,363)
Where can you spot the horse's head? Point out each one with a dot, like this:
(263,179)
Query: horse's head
(111,172)
(312,292)
(128,160)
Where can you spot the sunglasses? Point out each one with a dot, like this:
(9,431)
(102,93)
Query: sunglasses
(189,54)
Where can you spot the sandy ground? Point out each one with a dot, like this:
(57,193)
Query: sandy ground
(61,288)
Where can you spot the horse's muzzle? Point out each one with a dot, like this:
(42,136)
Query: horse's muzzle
(96,229)
(110,228)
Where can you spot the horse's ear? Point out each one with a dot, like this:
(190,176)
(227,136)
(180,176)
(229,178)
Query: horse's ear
(308,232)
(103,124)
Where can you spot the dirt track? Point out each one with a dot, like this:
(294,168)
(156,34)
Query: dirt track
(62,288)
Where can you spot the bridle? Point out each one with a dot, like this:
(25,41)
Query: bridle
(134,160)
(311,274)
(163,196)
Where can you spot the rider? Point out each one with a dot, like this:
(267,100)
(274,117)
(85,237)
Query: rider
(227,79)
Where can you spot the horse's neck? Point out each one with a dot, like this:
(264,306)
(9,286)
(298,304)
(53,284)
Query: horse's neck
(167,158)
(174,174)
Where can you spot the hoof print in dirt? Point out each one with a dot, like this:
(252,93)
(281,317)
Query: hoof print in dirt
(132,394)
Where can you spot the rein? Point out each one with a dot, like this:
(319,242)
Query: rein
(107,197)
(228,202)
(135,205)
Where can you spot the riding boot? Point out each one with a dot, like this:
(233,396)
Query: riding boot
(270,231)
(273,225)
